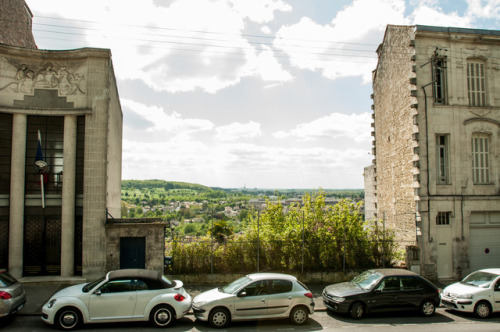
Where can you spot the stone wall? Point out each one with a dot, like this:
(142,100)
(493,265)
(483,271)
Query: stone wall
(15,24)
(154,232)
(393,122)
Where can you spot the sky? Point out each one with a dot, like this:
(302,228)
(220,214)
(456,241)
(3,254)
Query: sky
(246,93)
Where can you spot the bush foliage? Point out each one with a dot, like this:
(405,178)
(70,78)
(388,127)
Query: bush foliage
(310,237)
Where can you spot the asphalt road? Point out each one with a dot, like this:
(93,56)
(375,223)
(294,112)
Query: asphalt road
(442,321)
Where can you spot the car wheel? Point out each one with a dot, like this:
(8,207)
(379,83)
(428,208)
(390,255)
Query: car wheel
(299,315)
(219,318)
(357,310)
(428,308)
(162,316)
(482,309)
(68,318)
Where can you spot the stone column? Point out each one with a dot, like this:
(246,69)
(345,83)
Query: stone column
(68,197)
(17,179)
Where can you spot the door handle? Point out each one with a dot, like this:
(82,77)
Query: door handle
(131,298)
(263,300)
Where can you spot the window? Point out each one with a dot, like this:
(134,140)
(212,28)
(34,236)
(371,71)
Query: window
(443,163)
(281,286)
(476,83)
(390,284)
(443,218)
(480,159)
(256,288)
(439,79)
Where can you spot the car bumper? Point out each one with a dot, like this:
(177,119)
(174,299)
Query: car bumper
(340,307)
(11,306)
(200,313)
(460,305)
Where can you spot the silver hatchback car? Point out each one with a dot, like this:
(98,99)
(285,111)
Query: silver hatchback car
(12,294)
(255,296)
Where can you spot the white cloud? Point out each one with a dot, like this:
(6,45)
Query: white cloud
(484,9)
(161,121)
(352,126)
(236,131)
(429,16)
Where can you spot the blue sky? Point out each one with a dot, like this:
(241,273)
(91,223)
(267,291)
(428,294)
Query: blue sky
(238,93)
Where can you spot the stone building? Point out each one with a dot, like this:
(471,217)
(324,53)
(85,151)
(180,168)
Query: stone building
(436,120)
(61,143)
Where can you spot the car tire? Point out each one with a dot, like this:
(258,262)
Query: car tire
(299,315)
(357,310)
(482,309)
(162,316)
(68,318)
(428,308)
(219,318)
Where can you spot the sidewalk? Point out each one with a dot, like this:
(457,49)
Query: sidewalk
(39,292)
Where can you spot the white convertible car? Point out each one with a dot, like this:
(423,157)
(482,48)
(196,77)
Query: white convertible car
(121,296)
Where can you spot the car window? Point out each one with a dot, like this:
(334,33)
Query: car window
(389,284)
(118,286)
(6,279)
(142,285)
(412,283)
(281,286)
(497,286)
(256,288)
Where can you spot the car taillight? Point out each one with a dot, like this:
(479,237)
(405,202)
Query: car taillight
(309,295)
(179,297)
(5,296)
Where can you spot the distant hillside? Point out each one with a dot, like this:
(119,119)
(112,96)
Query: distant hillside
(166,185)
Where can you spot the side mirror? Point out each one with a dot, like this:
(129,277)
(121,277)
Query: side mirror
(97,292)
(242,294)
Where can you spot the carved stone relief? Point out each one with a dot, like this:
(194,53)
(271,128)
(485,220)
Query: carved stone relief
(67,78)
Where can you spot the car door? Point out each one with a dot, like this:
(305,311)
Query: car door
(384,297)
(280,297)
(413,291)
(251,301)
(496,295)
(113,301)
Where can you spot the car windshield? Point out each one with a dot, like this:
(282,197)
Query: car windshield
(479,279)
(235,285)
(91,285)
(367,280)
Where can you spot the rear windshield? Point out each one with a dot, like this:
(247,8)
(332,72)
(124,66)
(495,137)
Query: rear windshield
(6,279)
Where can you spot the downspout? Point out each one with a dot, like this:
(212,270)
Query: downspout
(429,238)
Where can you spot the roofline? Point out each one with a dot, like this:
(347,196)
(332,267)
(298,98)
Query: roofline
(457,30)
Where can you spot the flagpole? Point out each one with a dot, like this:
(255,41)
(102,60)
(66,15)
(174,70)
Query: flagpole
(41,171)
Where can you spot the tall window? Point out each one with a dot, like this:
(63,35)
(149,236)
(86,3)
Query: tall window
(443,159)
(439,79)
(476,83)
(480,159)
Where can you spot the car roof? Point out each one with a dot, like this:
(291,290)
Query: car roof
(492,270)
(134,273)
(269,275)
(395,272)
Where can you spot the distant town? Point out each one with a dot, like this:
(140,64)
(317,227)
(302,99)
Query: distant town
(190,208)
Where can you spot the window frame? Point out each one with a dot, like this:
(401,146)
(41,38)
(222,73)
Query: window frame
(439,79)
(476,82)
(443,159)
(481,164)
(443,218)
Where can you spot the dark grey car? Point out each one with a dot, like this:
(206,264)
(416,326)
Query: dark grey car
(382,290)
(12,294)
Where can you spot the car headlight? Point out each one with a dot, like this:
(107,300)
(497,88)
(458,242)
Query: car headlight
(338,299)
(51,303)
(465,296)
(199,303)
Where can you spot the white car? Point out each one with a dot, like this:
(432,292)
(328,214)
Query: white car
(479,293)
(121,296)
(255,296)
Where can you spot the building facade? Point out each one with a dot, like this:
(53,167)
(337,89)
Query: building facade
(61,143)
(436,120)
